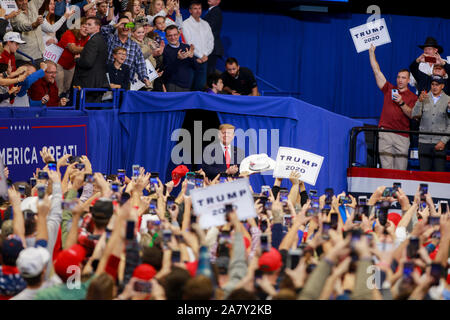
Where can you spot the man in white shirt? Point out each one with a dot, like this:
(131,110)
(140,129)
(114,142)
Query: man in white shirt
(197,31)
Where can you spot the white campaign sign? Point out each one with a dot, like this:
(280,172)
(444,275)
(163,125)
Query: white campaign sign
(9,6)
(306,163)
(374,32)
(53,53)
(209,203)
(137,84)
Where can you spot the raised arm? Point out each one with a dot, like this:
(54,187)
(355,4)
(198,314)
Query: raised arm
(379,76)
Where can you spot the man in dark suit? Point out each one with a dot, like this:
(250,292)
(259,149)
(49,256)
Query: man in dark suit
(222,157)
(214,18)
(90,67)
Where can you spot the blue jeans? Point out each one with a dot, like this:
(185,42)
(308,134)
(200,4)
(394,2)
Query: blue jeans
(199,76)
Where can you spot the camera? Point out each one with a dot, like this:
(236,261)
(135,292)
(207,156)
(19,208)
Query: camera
(88,177)
(43,175)
(121,175)
(135,169)
(344,200)
(265,191)
(52,165)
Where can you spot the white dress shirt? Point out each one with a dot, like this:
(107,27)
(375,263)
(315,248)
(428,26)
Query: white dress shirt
(200,35)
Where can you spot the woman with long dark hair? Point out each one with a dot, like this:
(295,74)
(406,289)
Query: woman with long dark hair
(50,26)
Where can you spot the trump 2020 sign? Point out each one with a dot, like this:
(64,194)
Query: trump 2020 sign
(22,139)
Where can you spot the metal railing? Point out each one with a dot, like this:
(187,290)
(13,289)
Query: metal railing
(277,92)
(357,130)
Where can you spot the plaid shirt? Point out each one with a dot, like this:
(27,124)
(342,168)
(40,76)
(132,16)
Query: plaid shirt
(135,59)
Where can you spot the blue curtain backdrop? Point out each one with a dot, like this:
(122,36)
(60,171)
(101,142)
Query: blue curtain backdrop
(317,57)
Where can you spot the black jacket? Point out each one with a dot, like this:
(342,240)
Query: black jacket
(90,68)
(424,81)
(212,170)
(214,18)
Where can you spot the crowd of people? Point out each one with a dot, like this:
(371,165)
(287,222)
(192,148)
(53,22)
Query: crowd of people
(426,110)
(132,45)
(72,233)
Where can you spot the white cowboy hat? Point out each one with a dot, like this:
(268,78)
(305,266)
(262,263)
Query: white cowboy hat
(257,163)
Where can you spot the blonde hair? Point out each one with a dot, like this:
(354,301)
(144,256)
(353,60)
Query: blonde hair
(226,126)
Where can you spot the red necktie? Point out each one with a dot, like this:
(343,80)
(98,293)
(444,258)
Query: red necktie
(227,157)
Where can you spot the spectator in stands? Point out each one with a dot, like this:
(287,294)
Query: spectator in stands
(135,59)
(29,23)
(160,27)
(146,44)
(33,75)
(431,49)
(32,263)
(214,83)
(134,6)
(178,62)
(50,26)
(105,11)
(4,20)
(73,42)
(431,108)
(157,9)
(45,89)
(11,283)
(11,42)
(441,68)
(393,147)
(214,18)
(198,32)
(118,73)
(7,89)
(90,67)
(238,80)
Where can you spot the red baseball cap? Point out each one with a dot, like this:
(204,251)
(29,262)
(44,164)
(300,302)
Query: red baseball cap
(270,261)
(67,258)
(178,173)
(144,272)
(394,218)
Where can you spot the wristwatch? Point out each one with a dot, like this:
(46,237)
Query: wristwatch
(402,104)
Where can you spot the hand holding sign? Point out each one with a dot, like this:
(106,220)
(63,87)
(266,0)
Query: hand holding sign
(209,203)
(303,162)
(365,35)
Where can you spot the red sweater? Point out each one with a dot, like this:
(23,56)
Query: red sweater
(40,88)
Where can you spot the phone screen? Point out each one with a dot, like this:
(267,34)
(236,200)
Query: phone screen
(430,59)
(135,170)
(444,207)
(408,268)
(294,258)
(436,273)
(130,230)
(121,175)
(153,178)
(176,256)
(42,175)
(264,243)
(413,247)
(423,191)
(284,195)
(334,220)
(142,286)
